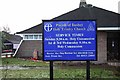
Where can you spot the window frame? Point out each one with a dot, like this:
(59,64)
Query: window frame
(27,36)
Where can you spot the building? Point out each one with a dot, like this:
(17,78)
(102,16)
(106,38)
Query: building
(108,31)
(10,43)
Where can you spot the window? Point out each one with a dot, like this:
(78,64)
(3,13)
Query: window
(26,37)
(40,37)
(33,37)
(30,36)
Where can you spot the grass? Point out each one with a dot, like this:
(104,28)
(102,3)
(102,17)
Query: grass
(35,73)
(60,71)
(22,62)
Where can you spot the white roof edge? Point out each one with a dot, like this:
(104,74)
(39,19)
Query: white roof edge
(108,28)
(18,48)
(29,33)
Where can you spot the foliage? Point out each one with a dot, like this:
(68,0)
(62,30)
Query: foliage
(4,35)
(0,41)
(117,72)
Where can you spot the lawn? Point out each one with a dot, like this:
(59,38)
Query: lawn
(60,71)
(22,62)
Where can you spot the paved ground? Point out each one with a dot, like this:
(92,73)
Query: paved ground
(21,67)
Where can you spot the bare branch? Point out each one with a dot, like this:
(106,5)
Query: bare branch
(6,29)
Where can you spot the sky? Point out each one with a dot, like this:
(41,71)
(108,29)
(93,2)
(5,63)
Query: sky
(19,15)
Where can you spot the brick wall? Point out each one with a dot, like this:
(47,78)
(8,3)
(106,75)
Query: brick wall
(102,47)
(27,48)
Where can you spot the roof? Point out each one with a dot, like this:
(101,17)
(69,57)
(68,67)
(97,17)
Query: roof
(15,39)
(6,41)
(104,18)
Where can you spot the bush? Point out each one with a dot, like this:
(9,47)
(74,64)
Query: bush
(117,72)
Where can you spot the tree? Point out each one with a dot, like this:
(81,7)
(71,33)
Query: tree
(3,36)
(0,42)
(6,29)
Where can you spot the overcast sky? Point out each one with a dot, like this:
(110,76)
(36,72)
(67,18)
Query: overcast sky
(23,14)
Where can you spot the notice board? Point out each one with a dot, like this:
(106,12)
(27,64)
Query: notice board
(69,40)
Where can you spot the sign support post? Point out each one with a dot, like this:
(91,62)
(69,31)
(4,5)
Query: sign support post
(88,70)
(51,70)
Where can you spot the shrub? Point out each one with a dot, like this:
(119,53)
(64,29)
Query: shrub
(117,71)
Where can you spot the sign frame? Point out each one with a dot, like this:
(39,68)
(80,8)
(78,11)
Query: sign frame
(96,51)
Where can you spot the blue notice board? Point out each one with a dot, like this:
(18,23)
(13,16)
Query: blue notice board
(69,40)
